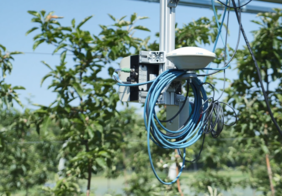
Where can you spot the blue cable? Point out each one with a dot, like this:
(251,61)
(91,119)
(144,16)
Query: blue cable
(217,38)
(120,83)
(188,134)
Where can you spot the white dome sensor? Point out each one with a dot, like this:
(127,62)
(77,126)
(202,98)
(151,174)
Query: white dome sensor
(188,58)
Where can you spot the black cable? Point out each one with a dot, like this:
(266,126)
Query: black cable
(199,155)
(224,81)
(213,89)
(258,71)
(186,97)
(218,127)
(236,117)
(240,6)
(214,118)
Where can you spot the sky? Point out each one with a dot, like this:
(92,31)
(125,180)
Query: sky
(28,69)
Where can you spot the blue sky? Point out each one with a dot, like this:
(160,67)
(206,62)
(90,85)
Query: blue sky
(28,69)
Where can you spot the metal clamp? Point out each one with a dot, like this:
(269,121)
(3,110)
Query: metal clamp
(173,3)
(188,75)
(143,95)
(152,57)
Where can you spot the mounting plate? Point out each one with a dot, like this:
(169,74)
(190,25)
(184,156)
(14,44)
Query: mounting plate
(152,57)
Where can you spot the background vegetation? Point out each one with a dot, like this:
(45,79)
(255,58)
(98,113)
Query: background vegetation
(83,131)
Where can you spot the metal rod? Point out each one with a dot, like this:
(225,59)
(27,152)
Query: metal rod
(171,34)
(207,4)
(162,24)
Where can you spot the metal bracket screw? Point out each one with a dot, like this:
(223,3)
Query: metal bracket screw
(173,3)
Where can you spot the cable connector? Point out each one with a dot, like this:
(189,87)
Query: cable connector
(128,70)
(116,77)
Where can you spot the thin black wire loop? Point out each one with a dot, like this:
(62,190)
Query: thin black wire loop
(234,6)
(186,97)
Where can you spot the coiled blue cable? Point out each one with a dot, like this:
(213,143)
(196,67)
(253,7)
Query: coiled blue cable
(188,134)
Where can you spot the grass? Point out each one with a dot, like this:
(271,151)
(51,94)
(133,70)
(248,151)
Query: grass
(101,185)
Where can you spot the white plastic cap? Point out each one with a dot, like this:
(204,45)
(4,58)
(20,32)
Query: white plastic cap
(188,58)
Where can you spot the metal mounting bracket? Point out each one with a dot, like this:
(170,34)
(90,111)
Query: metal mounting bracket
(189,75)
(152,57)
(173,3)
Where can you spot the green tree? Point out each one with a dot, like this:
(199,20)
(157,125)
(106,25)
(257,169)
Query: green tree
(258,142)
(18,156)
(28,158)
(86,102)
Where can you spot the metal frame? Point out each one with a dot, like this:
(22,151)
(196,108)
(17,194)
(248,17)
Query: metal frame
(271,1)
(207,4)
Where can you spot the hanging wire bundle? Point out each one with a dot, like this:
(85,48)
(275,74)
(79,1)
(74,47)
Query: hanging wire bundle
(207,116)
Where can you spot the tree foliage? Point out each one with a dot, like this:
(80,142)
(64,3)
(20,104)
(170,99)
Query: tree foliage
(85,103)
(256,135)
(94,138)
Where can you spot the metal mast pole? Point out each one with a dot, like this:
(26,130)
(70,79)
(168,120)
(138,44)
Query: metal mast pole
(167,44)
(167,29)
(167,33)
(167,41)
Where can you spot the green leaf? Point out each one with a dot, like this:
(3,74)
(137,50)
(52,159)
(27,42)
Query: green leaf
(43,12)
(47,65)
(99,127)
(41,111)
(73,23)
(133,17)
(90,132)
(34,13)
(31,30)
(4,48)
(113,18)
(265,149)
(84,21)
(63,56)
(62,45)
(104,154)
(45,77)
(141,28)
(122,18)
(101,162)
(36,20)
(143,17)
(18,101)
(66,29)
(54,22)
(78,89)
(37,43)
(50,13)
(46,123)
(16,52)
(18,88)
